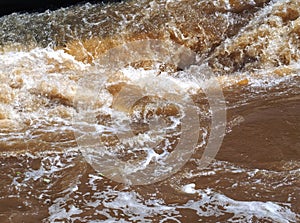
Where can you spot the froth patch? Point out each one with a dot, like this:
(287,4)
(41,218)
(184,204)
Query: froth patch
(8,124)
(270,40)
(6,94)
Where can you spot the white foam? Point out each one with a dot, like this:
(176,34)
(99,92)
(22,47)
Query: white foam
(189,188)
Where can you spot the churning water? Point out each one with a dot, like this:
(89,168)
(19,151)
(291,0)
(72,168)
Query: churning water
(92,95)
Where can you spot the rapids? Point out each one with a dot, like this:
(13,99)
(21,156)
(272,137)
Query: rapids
(93,93)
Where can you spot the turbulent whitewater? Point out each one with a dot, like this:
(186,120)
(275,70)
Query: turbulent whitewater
(51,75)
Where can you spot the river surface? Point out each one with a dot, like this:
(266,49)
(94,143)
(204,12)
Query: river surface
(87,105)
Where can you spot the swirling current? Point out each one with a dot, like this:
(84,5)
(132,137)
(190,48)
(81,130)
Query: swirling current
(93,94)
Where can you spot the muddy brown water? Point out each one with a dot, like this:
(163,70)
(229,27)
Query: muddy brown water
(253,49)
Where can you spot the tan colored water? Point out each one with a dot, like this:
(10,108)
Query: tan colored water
(252,47)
